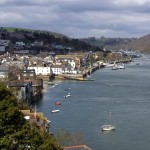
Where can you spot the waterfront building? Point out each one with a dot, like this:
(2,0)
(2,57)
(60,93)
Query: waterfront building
(40,70)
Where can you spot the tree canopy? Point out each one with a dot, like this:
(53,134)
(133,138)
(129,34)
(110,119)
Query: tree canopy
(15,131)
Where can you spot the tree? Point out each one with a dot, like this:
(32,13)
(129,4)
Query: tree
(15,131)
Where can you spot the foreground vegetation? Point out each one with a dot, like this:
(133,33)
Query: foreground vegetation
(15,131)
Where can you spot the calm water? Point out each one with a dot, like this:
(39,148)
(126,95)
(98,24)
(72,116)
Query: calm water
(124,93)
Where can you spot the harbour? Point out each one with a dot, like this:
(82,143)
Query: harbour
(124,93)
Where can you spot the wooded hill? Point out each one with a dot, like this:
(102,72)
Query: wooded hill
(141,44)
(49,39)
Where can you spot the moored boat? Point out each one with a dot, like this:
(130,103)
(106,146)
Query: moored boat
(120,66)
(50,83)
(54,111)
(58,103)
(108,127)
(68,95)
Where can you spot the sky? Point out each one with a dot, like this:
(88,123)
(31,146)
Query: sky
(79,18)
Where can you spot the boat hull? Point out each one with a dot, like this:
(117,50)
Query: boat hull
(54,111)
(108,128)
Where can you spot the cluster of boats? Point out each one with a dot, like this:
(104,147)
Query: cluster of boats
(60,103)
(106,127)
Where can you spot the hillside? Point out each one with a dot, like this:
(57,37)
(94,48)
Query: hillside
(13,30)
(141,44)
(38,40)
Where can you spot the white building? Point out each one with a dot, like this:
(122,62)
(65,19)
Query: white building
(41,70)
(57,69)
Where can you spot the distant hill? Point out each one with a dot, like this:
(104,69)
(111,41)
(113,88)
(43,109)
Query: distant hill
(107,42)
(141,44)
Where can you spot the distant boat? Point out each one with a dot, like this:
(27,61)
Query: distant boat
(50,83)
(58,103)
(120,66)
(55,111)
(67,89)
(114,66)
(68,95)
(108,127)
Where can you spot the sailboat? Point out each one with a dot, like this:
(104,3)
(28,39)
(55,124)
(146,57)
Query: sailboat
(108,127)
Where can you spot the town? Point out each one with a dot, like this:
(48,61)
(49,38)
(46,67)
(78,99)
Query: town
(27,71)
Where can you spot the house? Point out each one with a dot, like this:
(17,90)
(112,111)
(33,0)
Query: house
(57,69)
(5,42)
(20,44)
(40,70)
(69,70)
(24,89)
(63,69)
(28,73)
(73,60)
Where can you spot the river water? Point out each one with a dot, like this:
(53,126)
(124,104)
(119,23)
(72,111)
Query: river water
(125,93)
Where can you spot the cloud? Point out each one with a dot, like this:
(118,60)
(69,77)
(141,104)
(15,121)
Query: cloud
(76,18)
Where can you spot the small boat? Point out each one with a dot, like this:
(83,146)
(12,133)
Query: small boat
(114,67)
(121,66)
(58,103)
(55,111)
(67,89)
(68,95)
(50,83)
(108,127)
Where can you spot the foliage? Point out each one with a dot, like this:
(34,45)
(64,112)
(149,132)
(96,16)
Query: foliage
(65,138)
(49,39)
(15,131)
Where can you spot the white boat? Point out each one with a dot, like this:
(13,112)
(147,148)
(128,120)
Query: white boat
(120,66)
(54,111)
(114,67)
(108,127)
(68,95)
(50,83)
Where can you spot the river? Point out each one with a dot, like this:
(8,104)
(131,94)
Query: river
(124,92)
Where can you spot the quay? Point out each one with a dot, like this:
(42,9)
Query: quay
(80,77)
